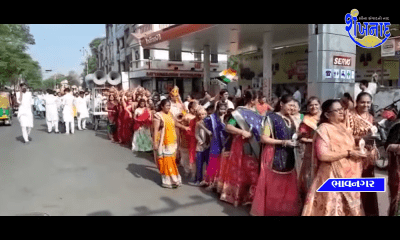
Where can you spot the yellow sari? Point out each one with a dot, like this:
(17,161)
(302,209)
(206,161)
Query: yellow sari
(166,153)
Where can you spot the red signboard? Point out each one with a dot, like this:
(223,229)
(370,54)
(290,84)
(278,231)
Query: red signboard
(342,61)
(172,33)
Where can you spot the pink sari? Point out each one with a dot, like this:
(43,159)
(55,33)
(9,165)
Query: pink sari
(329,139)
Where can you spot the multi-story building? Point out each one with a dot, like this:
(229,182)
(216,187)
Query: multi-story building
(272,57)
(154,69)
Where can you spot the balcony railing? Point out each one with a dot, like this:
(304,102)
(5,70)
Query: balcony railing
(157,64)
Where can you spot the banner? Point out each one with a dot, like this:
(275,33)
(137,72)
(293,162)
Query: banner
(353,185)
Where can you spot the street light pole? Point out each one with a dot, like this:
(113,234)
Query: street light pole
(55,82)
(83,50)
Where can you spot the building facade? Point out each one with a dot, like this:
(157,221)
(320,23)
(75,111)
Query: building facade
(155,69)
(273,58)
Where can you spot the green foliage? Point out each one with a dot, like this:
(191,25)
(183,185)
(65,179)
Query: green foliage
(53,81)
(91,59)
(14,61)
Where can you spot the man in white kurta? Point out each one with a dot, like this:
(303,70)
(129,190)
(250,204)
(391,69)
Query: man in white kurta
(68,101)
(51,111)
(82,110)
(40,108)
(25,116)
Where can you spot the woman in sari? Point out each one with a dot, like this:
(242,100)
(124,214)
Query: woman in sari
(305,135)
(216,125)
(277,191)
(127,119)
(360,121)
(142,121)
(239,173)
(112,109)
(121,113)
(188,141)
(392,146)
(337,157)
(165,145)
(296,115)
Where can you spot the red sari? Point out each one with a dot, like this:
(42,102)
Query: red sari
(121,111)
(277,191)
(307,130)
(238,175)
(127,126)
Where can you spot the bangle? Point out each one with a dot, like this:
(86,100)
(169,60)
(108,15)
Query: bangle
(284,143)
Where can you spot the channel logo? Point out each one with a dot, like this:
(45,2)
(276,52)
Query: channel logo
(373,34)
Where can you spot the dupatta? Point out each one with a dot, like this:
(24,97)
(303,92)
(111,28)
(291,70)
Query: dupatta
(339,138)
(284,156)
(143,119)
(214,124)
(250,121)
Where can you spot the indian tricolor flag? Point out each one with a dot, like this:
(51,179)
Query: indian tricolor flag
(228,75)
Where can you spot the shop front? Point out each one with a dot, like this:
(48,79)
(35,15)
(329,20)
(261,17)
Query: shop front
(163,81)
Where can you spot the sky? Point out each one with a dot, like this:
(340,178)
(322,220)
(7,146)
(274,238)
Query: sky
(58,46)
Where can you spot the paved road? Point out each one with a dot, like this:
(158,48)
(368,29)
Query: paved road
(84,174)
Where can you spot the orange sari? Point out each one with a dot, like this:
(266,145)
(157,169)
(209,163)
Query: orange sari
(166,153)
(329,139)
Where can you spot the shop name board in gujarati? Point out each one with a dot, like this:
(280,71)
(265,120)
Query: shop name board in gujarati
(342,61)
(173,74)
(153,39)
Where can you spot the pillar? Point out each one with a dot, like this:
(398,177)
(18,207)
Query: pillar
(325,42)
(267,63)
(206,80)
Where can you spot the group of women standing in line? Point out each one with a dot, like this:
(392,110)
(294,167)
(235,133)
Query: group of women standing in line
(130,115)
(275,161)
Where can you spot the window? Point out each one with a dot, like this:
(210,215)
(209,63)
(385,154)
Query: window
(187,56)
(145,28)
(197,56)
(214,58)
(122,43)
(175,55)
(146,53)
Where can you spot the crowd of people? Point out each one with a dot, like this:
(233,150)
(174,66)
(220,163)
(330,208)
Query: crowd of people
(59,108)
(250,151)
(247,150)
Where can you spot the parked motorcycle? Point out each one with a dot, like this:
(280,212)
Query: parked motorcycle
(385,117)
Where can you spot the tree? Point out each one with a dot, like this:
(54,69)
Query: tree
(53,81)
(14,62)
(91,59)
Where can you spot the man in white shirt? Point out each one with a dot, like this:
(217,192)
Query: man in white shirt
(223,95)
(68,100)
(188,100)
(82,110)
(51,111)
(25,116)
(297,94)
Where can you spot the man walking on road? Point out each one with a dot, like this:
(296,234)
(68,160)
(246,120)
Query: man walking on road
(51,111)
(25,115)
(83,112)
(68,100)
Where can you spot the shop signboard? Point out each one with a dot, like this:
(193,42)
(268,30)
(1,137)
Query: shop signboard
(342,61)
(388,48)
